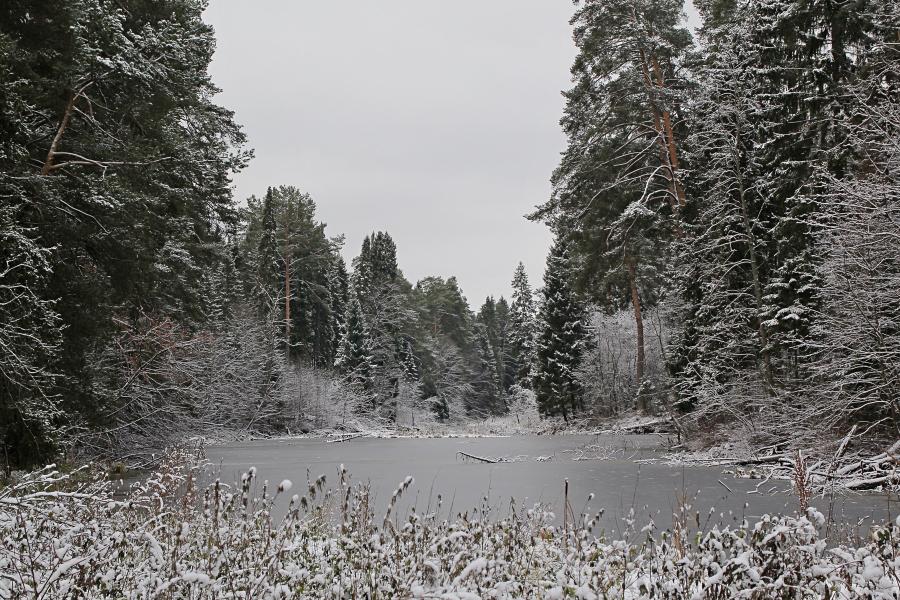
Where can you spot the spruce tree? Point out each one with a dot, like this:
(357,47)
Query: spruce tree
(376,265)
(383,259)
(561,339)
(810,55)
(30,416)
(354,359)
(486,379)
(385,299)
(856,351)
(268,272)
(492,342)
(522,327)
(409,362)
(226,293)
(506,363)
(293,259)
(338,292)
(722,349)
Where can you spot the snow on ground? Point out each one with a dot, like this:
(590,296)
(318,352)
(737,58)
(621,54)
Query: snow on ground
(61,537)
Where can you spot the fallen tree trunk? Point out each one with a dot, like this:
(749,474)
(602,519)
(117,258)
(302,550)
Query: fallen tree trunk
(658,426)
(480,458)
(764,460)
(346,438)
(873,483)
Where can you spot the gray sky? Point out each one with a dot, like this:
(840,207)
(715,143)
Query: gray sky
(436,121)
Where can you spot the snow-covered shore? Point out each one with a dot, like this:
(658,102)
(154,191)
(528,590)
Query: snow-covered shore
(61,539)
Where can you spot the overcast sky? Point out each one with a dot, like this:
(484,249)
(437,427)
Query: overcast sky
(436,121)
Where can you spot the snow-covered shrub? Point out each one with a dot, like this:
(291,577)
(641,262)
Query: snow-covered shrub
(61,540)
(161,382)
(607,370)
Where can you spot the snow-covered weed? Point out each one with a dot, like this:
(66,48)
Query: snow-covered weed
(165,539)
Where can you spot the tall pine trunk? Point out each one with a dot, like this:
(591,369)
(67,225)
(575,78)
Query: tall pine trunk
(671,148)
(662,123)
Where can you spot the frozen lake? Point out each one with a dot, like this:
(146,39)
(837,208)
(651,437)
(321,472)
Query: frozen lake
(619,482)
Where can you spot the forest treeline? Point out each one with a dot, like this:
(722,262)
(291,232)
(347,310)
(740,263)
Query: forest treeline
(398,350)
(726,218)
(140,303)
(744,189)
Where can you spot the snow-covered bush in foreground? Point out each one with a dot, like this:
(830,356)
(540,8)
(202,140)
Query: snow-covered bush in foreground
(168,540)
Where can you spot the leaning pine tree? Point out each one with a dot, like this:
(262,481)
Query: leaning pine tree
(561,338)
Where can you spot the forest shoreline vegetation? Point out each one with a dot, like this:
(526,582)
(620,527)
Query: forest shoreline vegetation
(726,264)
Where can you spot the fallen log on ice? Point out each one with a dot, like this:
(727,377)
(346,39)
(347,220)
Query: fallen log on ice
(873,483)
(656,426)
(766,460)
(480,458)
(347,438)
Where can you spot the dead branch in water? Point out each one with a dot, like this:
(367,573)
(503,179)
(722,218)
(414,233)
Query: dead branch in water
(346,438)
(480,458)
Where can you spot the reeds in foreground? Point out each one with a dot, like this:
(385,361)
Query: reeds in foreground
(64,539)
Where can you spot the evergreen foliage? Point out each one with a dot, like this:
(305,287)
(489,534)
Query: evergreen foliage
(618,191)
(724,260)
(522,327)
(775,118)
(740,196)
(354,360)
(561,339)
(116,163)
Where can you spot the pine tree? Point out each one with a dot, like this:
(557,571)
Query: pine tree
(561,339)
(522,327)
(618,192)
(449,380)
(121,163)
(452,369)
(293,259)
(445,310)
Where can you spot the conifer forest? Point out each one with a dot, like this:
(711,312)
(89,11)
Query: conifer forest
(725,266)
